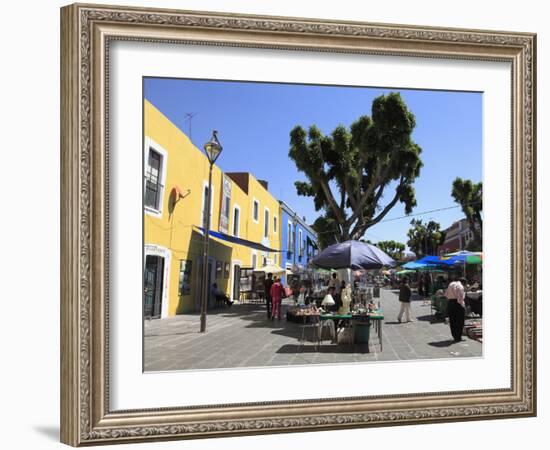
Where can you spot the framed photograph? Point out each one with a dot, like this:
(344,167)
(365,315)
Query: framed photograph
(331,204)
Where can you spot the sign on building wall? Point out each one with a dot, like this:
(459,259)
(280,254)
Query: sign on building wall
(226,200)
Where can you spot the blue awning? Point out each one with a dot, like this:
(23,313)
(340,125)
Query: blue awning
(239,241)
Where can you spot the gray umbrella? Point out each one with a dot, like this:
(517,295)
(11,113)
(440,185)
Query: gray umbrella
(352,255)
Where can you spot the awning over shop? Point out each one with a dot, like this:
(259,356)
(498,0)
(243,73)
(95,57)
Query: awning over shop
(239,241)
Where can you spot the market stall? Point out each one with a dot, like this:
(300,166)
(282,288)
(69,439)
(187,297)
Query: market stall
(356,325)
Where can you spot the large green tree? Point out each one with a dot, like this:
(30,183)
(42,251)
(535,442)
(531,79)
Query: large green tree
(392,248)
(469,196)
(357,175)
(424,238)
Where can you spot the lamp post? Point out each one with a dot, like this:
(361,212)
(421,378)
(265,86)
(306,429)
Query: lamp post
(212,149)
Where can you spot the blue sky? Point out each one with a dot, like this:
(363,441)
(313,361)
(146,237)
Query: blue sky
(254,120)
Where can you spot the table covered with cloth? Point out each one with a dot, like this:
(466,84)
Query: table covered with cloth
(344,320)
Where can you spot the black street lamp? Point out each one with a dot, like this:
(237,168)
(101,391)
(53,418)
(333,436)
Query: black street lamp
(212,148)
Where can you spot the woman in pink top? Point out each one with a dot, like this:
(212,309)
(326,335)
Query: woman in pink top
(455,308)
(277,292)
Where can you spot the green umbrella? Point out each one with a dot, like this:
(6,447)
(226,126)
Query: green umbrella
(465,257)
(404,272)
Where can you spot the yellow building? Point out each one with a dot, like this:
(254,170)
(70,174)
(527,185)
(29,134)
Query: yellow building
(262,221)
(175,190)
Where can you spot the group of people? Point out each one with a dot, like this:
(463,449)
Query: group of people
(456,307)
(338,298)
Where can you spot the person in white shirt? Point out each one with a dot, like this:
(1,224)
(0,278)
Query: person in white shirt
(456,308)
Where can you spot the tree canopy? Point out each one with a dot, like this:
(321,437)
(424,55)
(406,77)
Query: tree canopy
(469,196)
(357,175)
(424,238)
(392,248)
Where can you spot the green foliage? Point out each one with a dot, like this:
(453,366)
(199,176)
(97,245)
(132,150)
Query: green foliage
(469,196)
(392,248)
(357,175)
(326,229)
(425,238)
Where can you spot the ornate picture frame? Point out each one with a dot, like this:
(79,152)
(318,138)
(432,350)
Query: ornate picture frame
(87,31)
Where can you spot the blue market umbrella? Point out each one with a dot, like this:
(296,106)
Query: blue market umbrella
(413,265)
(352,255)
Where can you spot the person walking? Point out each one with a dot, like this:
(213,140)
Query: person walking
(267,292)
(456,308)
(277,292)
(405,294)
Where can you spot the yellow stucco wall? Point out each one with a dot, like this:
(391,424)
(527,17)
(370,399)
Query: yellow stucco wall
(255,230)
(173,229)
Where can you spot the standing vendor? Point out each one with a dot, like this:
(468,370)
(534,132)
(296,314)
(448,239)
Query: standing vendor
(334,283)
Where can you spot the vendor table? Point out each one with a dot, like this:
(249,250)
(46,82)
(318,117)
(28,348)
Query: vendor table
(474,301)
(439,306)
(376,319)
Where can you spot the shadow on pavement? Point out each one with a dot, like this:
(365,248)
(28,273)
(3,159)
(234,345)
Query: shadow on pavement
(183,333)
(334,348)
(429,318)
(442,344)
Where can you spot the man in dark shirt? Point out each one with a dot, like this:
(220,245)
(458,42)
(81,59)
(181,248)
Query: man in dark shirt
(405,300)
(267,292)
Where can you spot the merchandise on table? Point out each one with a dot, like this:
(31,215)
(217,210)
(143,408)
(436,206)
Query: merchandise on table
(473,328)
(302,313)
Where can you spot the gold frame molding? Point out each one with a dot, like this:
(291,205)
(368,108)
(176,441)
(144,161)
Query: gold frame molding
(86,31)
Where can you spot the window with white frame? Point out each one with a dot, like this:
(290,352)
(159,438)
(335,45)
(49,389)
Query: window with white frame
(300,243)
(266,223)
(204,210)
(236,220)
(289,239)
(256,210)
(153,180)
(274,224)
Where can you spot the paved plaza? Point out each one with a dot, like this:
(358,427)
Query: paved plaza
(242,336)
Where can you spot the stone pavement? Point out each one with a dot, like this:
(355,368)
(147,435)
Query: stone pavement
(241,336)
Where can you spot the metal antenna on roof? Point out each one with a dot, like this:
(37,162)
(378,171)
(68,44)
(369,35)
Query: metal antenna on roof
(189,117)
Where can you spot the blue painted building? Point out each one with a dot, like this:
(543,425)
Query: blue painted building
(298,240)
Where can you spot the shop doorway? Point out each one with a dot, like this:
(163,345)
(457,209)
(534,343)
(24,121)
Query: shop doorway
(236,282)
(153,286)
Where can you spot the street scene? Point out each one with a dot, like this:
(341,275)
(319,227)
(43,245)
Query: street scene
(243,337)
(289,224)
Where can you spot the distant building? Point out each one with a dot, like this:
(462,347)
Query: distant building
(457,237)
